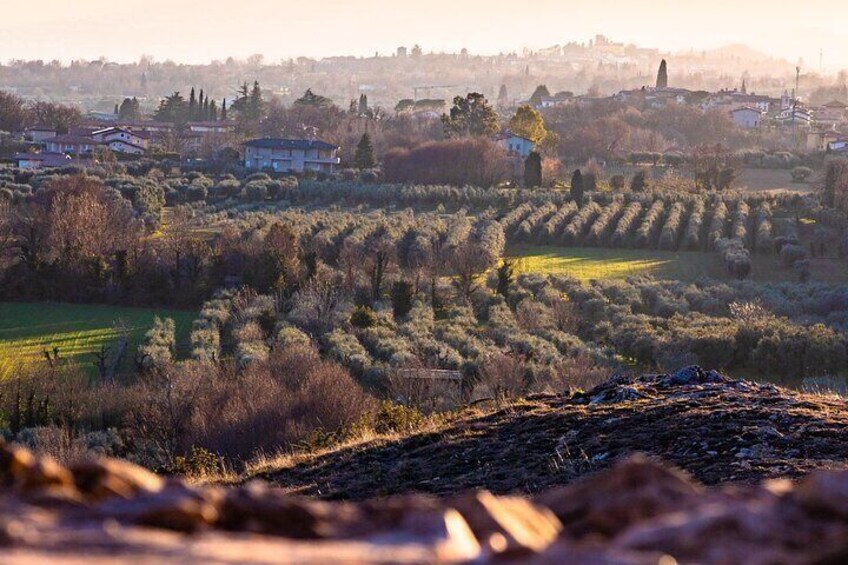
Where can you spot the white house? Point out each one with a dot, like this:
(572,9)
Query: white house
(515,144)
(122,140)
(291,155)
(747,117)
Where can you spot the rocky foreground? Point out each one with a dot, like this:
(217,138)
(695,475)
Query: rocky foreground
(636,512)
(716,429)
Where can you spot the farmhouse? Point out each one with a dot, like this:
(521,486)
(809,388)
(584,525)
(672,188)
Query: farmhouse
(515,144)
(291,155)
(747,117)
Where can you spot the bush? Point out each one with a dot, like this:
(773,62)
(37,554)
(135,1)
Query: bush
(791,254)
(363,317)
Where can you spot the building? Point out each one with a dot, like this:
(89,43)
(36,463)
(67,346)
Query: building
(832,114)
(795,116)
(747,117)
(211,127)
(555,101)
(38,134)
(291,155)
(821,140)
(122,140)
(41,160)
(74,145)
(515,144)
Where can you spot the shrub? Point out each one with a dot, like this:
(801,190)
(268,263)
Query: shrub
(626,224)
(650,227)
(791,254)
(671,230)
(363,317)
(692,237)
(159,345)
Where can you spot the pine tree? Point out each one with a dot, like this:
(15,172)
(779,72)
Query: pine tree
(577,187)
(364,156)
(662,75)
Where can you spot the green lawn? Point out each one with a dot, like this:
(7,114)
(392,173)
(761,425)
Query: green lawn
(587,263)
(27,329)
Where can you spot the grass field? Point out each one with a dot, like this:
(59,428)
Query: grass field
(27,329)
(600,263)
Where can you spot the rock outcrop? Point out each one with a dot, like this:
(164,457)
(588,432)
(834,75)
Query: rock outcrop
(636,512)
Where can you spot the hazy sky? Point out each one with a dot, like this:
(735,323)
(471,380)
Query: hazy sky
(203,30)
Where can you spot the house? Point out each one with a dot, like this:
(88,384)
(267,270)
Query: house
(821,140)
(555,101)
(515,144)
(838,146)
(211,127)
(747,117)
(38,134)
(795,116)
(70,144)
(832,113)
(41,160)
(291,155)
(122,140)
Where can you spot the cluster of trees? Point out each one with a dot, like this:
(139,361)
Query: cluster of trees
(177,110)
(732,326)
(460,162)
(17,114)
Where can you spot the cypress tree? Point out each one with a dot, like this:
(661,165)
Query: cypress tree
(364,156)
(363,104)
(224,110)
(577,187)
(192,104)
(533,170)
(662,75)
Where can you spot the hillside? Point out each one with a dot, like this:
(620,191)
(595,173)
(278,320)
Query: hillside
(636,512)
(717,429)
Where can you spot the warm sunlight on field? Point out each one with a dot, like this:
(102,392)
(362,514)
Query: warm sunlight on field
(27,330)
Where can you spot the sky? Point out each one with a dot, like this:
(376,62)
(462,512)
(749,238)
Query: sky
(192,31)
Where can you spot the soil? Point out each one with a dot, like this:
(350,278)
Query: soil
(716,429)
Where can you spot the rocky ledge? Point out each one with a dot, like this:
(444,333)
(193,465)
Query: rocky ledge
(717,429)
(636,512)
